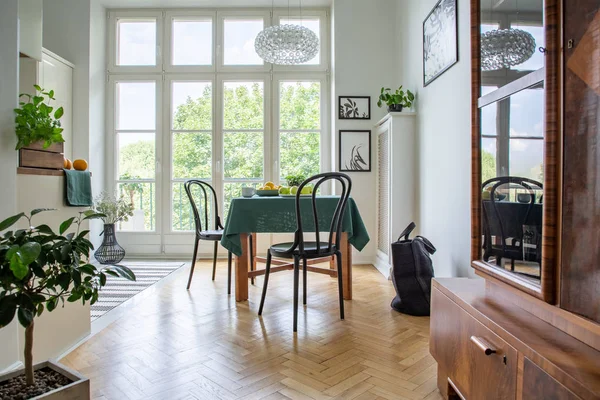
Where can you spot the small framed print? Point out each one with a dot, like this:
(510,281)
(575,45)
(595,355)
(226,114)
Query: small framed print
(354,107)
(355,151)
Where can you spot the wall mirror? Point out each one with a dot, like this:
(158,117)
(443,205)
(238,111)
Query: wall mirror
(510,144)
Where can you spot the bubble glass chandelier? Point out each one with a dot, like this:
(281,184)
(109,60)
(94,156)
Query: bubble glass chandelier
(505,48)
(287,44)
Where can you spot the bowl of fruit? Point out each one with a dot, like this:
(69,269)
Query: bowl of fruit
(286,191)
(268,189)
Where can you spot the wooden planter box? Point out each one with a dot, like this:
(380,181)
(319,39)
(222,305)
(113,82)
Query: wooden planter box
(35,156)
(78,390)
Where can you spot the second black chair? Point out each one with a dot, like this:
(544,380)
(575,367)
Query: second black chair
(301,249)
(207,197)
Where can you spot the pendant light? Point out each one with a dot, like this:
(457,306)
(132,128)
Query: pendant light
(287,44)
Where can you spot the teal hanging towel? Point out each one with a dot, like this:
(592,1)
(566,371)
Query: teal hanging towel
(78,188)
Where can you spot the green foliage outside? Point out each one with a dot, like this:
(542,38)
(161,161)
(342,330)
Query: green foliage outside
(243,151)
(488,166)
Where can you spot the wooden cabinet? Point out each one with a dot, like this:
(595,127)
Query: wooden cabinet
(489,348)
(474,357)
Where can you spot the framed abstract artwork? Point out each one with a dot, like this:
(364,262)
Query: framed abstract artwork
(354,107)
(440,40)
(355,151)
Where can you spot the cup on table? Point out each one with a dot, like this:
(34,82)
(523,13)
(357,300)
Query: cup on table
(248,191)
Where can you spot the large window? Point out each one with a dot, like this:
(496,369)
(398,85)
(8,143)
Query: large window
(192,100)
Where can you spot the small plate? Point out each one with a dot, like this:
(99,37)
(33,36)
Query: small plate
(266,193)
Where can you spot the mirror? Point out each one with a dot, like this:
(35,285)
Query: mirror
(511,135)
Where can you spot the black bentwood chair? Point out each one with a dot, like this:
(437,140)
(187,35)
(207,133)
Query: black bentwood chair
(512,227)
(206,192)
(301,249)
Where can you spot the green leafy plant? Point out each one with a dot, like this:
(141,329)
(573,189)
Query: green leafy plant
(405,99)
(40,268)
(112,209)
(295,180)
(37,121)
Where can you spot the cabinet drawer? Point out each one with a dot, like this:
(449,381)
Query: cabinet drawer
(536,384)
(480,364)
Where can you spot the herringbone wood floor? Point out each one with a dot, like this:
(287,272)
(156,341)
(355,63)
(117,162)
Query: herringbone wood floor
(202,345)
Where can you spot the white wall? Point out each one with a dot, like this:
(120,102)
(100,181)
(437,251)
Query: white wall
(9,79)
(444,136)
(80,37)
(364,60)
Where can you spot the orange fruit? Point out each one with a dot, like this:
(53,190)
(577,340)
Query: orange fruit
(80,165)
(67,164)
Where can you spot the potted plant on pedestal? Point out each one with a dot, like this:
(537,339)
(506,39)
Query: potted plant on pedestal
(396,101)
(38,269)
(112,210)
(39,132)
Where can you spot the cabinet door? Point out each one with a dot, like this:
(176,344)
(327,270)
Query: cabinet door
(580,268)
(480,364)
(539,385)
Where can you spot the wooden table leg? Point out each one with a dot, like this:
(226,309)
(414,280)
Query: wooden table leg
(346,249)
(241,270)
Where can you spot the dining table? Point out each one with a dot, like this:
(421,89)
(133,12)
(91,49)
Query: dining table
(275,214)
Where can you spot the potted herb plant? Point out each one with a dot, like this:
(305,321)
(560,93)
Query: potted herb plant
(397,100)
(38,270)
(295,180)
(112,211)
(38,129)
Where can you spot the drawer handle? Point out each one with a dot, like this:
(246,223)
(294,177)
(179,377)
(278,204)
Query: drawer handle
(483,345)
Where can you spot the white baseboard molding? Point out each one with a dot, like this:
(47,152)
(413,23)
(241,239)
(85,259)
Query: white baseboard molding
(382,267)
(13,367)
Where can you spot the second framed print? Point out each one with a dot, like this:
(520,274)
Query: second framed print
(354,107)
(355,151)
(440,40)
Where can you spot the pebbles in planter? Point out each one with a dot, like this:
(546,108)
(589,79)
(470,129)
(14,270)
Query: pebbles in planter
(46,379)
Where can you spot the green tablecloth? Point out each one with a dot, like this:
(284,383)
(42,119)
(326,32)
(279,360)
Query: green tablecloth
(278,215)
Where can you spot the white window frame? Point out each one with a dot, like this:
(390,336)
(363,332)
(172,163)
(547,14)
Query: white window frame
(324,44)
(191,15)
(114,17)
(164,239)
(220,45)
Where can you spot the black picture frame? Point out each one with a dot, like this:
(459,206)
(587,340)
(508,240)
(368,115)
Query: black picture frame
(342,115)
(451,26)
(348,152)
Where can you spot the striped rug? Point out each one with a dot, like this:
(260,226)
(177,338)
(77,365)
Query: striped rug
(119,290)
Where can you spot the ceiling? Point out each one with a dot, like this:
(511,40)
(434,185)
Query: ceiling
(210,3)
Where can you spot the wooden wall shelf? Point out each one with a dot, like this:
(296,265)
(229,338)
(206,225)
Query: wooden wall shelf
(41,171)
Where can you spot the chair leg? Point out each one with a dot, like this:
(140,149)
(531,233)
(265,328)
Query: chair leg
(193,264)
(250,247)
(338,255)
(296,279)
(229,262)
(215,260)
(304,276)
(265,283)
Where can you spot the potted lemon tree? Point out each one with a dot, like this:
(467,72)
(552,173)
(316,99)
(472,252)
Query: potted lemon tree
(39,270)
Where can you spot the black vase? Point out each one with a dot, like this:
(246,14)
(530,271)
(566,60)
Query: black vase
(109,251)
(395,108)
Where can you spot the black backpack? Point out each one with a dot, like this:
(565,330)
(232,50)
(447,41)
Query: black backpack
(412,273)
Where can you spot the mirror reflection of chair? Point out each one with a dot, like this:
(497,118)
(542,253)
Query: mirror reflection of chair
(207,198)
(512,220)
(301,249)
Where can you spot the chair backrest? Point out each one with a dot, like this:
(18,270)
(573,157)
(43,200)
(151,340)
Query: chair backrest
(506,219)
(335,227)
(207,194)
